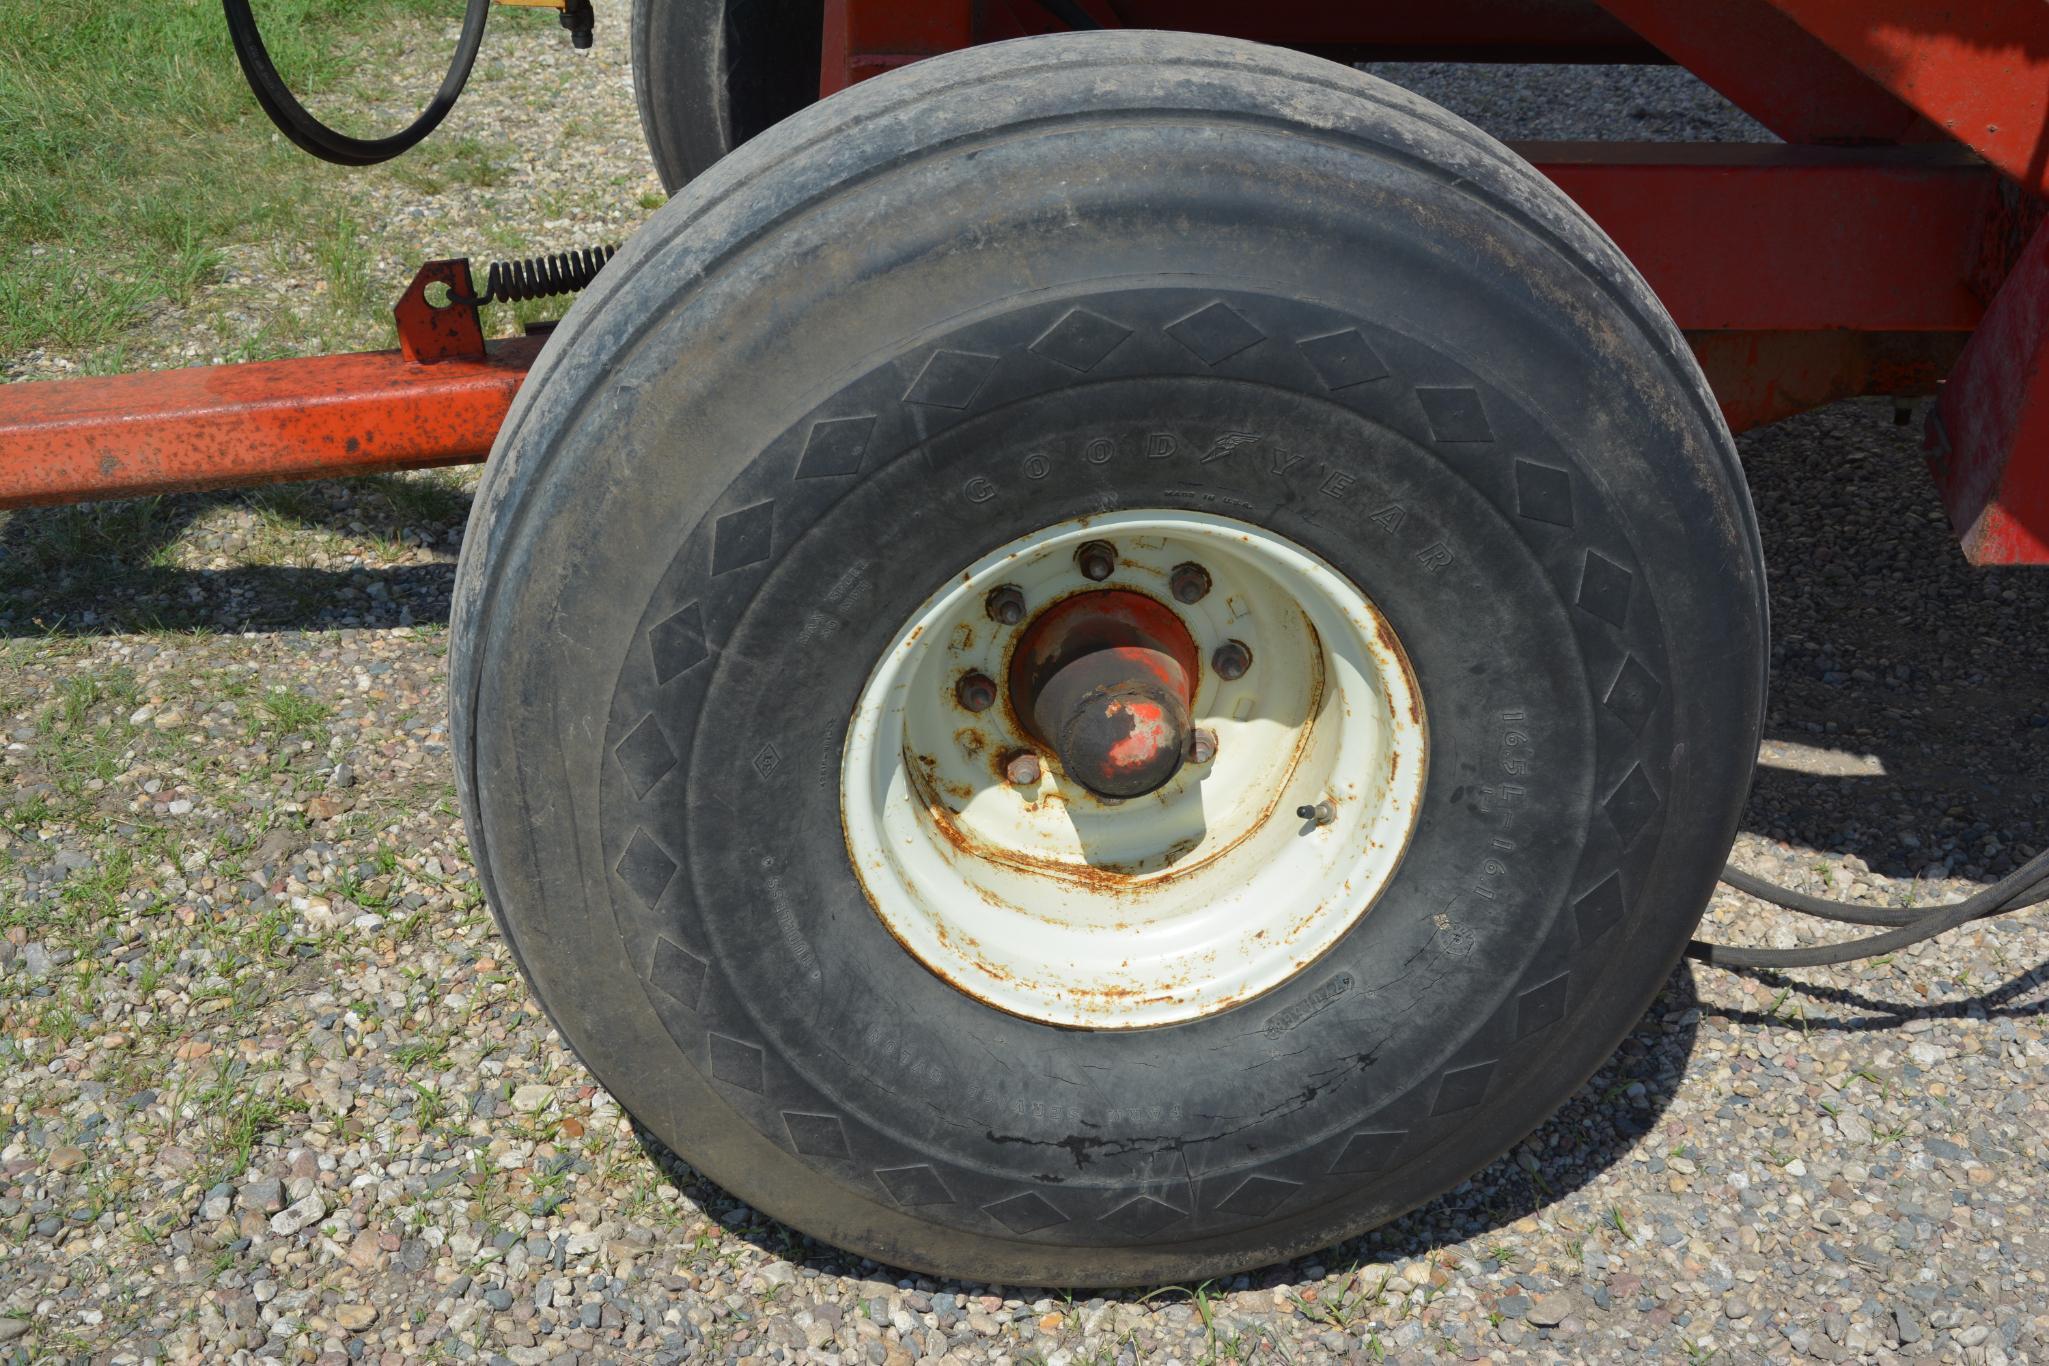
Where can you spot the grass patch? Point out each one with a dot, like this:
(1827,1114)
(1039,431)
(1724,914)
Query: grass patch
(421,500)
(476,164)
(131,152)
(293,713)
(465,161)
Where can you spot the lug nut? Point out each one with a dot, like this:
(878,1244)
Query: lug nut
(975,692)
(1023,770)
(1005,604)
(1231,659)
(1323,813)
(1190,583)
(1202,747)
(1097,560)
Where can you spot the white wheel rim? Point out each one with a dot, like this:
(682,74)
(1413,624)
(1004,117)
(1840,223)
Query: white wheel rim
(1053,904)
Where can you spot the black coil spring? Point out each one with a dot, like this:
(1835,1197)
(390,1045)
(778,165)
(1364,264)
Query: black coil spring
(539,277)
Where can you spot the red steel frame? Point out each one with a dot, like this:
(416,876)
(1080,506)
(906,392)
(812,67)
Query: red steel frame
(1893,244)
(438,400)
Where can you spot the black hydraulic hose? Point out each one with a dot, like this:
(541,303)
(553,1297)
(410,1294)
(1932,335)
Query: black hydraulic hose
(2026,886)
(1842,912)
(309,133)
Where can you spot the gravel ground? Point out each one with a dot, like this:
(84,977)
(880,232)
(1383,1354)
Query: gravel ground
(269,1087)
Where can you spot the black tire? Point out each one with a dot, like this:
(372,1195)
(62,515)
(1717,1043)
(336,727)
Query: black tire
(710,74)
(1538,492)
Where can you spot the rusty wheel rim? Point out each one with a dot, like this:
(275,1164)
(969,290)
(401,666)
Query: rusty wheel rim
(1003,867)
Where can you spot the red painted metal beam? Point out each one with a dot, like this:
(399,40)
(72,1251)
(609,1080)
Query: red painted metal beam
(1989,436)
(1444,30)
(1762,377)
(1776,238)
(1841,72)
(1976,69)
(437,400)
(1771,68)
(220,426)
(996,20)
(863,38)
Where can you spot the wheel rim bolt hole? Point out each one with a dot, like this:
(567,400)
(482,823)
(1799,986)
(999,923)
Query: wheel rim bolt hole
(1202,745)
(975,691)
(1097,560)
(1190,583)
(1005,605)
(1231,659)
(1023,770)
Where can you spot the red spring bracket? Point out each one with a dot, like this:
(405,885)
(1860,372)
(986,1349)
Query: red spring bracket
(436,324)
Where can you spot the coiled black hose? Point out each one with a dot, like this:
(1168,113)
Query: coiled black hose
(308,132)
(2026,886)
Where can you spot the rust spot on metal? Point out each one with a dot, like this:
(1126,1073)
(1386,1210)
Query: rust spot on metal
(970,739)
(1384,633)
(942,817)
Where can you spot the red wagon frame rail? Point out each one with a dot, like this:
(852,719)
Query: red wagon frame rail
(1893,244)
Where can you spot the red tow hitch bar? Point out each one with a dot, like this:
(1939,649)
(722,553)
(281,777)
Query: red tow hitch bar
(437,400)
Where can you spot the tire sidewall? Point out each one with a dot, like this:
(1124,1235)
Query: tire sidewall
(602,571)
(707,75)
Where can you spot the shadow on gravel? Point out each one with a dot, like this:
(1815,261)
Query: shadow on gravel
(114,568)
(1909,715)
(2004,1001)
(1598,1127)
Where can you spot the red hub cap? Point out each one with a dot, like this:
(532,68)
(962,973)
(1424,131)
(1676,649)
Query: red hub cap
(1103,679)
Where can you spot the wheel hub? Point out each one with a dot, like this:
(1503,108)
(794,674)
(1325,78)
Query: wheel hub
(1103,679)
(1070,787)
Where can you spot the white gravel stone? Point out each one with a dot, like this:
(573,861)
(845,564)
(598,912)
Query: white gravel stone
(298,1215)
